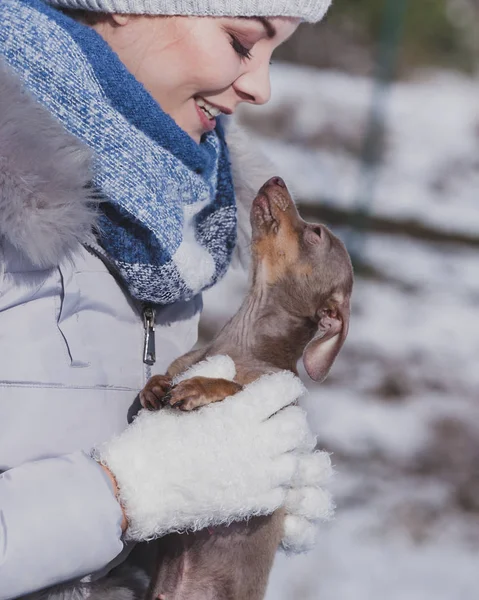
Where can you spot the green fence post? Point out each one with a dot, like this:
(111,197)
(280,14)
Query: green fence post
(391,29)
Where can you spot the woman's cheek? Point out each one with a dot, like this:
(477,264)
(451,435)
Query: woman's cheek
(224,74)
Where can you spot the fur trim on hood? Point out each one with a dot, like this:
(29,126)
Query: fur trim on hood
(46,208)
(250,170)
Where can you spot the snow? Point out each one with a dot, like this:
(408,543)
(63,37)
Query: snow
(352,563)
(400,410)
(430,169)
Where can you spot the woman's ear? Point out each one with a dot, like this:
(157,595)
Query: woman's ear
(322,350)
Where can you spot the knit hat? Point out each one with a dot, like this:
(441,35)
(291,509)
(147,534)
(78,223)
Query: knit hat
(308,10)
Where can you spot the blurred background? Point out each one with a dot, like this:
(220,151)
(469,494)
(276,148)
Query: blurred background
(374,125)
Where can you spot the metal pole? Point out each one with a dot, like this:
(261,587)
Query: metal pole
(391,29)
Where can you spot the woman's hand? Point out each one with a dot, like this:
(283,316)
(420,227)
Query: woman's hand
(227,461)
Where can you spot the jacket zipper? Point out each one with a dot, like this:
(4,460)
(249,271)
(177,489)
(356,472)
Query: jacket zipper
(148,312)
(149,349)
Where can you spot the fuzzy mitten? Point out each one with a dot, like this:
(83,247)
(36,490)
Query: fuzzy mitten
(227,461)
(307,502)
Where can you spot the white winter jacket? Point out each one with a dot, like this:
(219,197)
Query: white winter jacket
(71,351)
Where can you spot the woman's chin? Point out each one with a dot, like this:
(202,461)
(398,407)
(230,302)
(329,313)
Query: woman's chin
(193,132)
(191,120)
(196,136)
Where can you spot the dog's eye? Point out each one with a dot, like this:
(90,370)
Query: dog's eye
(314,234)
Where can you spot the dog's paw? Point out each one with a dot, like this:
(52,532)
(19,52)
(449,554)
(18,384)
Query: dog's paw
(188,395)
(200,391)
(155,393)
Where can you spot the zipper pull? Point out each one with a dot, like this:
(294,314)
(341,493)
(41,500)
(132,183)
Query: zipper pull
(149,350)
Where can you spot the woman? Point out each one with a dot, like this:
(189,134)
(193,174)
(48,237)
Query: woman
(85,320)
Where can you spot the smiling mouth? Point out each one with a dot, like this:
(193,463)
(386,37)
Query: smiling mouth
(210,111)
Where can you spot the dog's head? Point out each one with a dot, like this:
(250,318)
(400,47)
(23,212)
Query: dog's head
(307,269)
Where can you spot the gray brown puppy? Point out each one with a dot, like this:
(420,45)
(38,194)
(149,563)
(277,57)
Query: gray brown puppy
(298,304)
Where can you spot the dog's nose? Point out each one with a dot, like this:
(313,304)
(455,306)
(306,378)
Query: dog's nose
(276,181)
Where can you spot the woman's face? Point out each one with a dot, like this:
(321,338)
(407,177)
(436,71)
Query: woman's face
(197,67)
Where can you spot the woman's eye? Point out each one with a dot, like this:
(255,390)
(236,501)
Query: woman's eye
(239,48)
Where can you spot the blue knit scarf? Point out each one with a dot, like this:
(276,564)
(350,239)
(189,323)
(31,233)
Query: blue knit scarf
(169,222)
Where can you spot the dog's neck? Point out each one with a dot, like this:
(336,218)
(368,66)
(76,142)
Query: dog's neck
(263,329)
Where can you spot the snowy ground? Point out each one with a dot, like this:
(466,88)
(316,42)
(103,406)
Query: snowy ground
(314,127)
(400,411)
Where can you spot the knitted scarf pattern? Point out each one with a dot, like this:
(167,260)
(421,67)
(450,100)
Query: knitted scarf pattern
(168,221)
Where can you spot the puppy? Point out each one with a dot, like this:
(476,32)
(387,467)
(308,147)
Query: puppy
(298,304)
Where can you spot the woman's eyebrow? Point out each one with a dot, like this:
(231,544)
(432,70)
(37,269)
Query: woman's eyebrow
(268,27)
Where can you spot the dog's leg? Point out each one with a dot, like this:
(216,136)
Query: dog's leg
(186,361)
(199,391)
(153,395)
(186,395)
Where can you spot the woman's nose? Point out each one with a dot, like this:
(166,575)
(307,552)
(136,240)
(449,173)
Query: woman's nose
(254,85)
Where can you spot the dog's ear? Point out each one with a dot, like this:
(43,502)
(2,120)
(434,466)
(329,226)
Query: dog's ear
(333,325)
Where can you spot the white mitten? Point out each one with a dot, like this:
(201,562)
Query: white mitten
(307,502)
(227,461)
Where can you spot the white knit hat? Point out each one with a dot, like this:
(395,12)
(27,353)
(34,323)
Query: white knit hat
(308,10)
